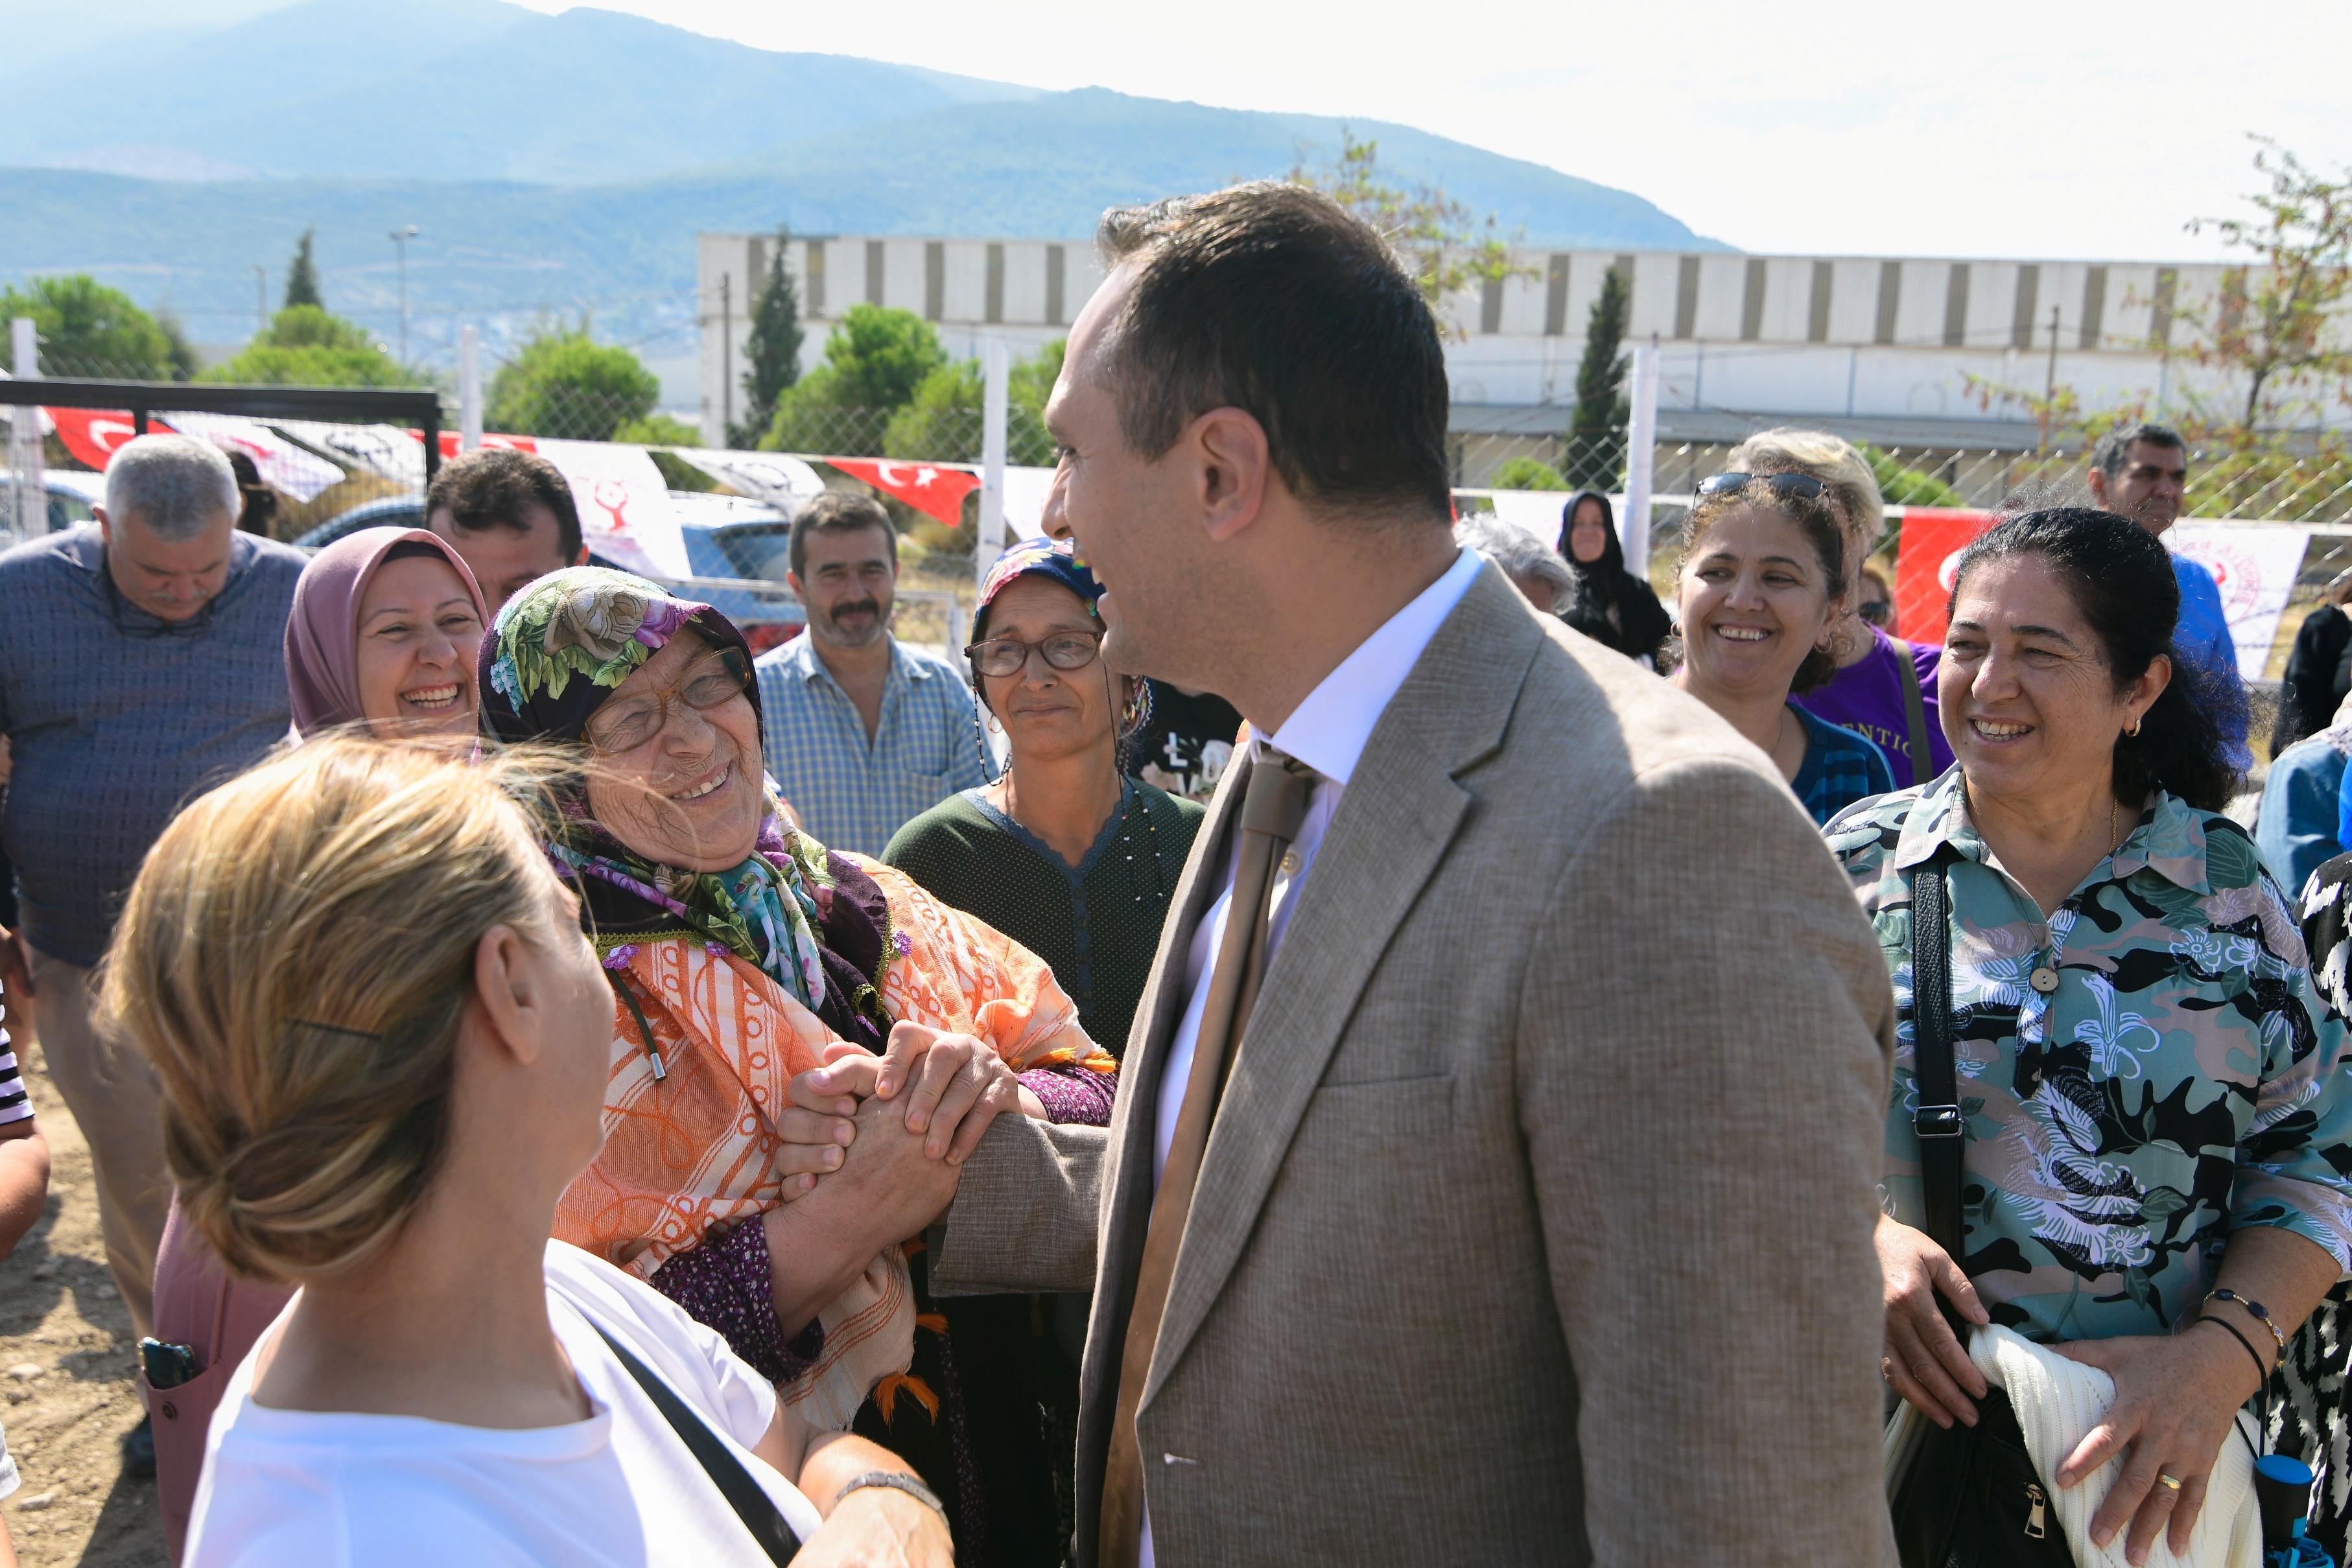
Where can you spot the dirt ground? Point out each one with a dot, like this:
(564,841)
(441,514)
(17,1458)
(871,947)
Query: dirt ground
(68,1360)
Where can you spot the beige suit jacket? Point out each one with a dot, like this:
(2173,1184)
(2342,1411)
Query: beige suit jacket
(1535,1224)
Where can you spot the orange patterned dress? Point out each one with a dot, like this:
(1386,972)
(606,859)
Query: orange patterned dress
(695,1150)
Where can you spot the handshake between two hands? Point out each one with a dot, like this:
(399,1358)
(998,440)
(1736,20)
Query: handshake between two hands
(943,1089)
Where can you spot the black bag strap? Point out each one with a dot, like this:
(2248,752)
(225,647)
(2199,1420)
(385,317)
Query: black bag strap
(1941,1128)
(750,1500)
(1915,713)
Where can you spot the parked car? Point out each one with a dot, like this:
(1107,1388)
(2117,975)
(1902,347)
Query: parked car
(72,493)
(731,544)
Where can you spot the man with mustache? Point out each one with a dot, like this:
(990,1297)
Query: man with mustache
(862,732)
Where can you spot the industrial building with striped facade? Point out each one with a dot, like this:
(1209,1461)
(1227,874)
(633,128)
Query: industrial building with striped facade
(1908,352)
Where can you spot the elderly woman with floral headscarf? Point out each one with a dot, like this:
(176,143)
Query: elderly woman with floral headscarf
(741,953)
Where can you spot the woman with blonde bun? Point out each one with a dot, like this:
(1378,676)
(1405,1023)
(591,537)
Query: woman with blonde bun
(382,1110)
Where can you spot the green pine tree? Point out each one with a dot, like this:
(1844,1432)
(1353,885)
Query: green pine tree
(302,276)
(773,347)
(1596,431)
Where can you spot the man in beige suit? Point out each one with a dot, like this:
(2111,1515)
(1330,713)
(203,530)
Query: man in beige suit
(1491,1178)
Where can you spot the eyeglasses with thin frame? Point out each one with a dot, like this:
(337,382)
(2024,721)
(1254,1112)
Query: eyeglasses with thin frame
(625,723)
(1801,487)
(1001,656)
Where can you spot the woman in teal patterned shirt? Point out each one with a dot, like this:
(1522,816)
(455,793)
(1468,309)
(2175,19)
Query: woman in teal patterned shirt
(2153,1093)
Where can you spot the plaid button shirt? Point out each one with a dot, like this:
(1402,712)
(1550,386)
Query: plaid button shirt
(851,795)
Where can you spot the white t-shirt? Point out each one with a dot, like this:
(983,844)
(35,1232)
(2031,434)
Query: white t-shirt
(294,1487)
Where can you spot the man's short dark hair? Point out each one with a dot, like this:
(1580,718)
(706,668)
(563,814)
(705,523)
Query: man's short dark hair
(1276,301)
(839,512)
(496,487)
(2114,449)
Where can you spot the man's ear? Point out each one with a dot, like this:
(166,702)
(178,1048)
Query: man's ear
(1228,449)
(105,528)
(2098,488)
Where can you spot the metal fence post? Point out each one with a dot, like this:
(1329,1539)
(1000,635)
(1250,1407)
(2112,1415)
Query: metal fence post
(1641,454)
(469,388)
(994,413)
(30,513)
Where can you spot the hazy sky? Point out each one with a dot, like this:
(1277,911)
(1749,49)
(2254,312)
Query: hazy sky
(2033,128)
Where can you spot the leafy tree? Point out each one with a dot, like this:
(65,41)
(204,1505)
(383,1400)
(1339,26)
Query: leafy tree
(943,421)
(773,347)
(2273,324)
(89,330)
(1439,238)
(1596,431)
(304,345)
(562,382)
(1528,473)
(302,276)
(1904,487)
(875,359)
(658,429)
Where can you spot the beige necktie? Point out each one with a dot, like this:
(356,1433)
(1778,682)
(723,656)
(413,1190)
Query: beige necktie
(1272,808)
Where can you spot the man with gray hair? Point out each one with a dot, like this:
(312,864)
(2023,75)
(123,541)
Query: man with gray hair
(142,661)
(1538,571)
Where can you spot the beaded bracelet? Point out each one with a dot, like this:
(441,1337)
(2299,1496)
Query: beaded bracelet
(2254,1307)
(2263,1371)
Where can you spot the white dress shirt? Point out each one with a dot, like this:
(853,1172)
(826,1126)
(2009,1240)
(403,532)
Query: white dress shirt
(1327,732)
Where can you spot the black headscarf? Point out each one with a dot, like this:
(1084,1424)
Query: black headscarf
(1610,605)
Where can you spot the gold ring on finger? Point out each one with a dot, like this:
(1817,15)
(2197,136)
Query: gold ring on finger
(2167,1482)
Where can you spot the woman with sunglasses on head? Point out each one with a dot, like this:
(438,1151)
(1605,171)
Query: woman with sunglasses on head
(1882,687)
(1760,591)
(744,956)
(1076,863)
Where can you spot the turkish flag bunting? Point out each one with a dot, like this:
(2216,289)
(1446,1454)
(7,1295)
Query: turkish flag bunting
(927,486)
(92,434)
(450,438)
(1933,539)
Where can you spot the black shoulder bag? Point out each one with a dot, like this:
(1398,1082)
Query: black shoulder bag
(747,1497)
(1972,1499)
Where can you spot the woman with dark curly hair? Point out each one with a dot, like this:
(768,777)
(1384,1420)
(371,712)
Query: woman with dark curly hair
(2144,1145)
(1762,589)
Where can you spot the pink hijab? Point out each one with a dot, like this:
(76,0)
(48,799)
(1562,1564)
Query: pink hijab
(322,632)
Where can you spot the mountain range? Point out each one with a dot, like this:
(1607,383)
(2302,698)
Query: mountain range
(563,163)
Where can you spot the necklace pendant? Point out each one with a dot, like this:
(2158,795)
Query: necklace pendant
(2045,979)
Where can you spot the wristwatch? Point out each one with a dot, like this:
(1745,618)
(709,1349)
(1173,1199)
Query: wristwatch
(896,1481)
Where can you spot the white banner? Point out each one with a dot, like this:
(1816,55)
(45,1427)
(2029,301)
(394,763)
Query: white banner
(781,481)
(385,450)
(1025,490)
(1537,511)
(625,511)
(282,464)
(2254,565)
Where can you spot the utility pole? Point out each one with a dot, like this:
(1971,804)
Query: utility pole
(400,238)
(260,298)
(2049,384)
(726,357)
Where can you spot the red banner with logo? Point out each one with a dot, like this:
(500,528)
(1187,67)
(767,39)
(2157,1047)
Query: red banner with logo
(927,486)
(1933,539)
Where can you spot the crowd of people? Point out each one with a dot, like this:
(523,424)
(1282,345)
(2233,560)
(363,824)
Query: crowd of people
(565,1089)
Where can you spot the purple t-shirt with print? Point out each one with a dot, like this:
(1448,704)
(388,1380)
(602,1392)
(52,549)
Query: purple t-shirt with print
(1867,696)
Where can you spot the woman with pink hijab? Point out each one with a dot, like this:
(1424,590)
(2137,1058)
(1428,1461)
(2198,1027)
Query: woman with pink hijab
(384,631)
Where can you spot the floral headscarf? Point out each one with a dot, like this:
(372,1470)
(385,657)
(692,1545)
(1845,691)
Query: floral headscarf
(558,651)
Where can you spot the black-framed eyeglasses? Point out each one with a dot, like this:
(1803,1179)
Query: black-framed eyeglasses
(623,723)
(1877,611)
(1801,487)
(1001,656)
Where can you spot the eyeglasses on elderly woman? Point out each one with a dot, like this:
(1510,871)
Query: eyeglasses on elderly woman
(1001,656)
(625,723)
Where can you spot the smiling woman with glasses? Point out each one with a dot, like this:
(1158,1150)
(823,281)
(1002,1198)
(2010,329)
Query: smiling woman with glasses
(744,956)
(1076,861)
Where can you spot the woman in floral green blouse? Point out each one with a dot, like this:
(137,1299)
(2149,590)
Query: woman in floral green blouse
(2152,1090)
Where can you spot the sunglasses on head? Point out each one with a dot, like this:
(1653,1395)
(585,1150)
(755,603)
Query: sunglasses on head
(1802,487)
